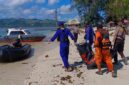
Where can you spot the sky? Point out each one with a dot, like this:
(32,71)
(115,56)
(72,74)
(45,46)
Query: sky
(38,9)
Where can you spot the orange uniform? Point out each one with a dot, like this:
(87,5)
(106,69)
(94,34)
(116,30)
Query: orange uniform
(102,52)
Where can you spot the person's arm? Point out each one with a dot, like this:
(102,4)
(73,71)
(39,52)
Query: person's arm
(78,30)
(115,34)
(71,35)
(88,35)
(54,37)
(97,39)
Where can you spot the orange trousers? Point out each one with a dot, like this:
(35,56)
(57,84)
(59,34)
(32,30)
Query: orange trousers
(103,55)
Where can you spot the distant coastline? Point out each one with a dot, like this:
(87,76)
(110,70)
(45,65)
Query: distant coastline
(21,22)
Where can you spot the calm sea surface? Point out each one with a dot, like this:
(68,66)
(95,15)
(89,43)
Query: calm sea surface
(34,30)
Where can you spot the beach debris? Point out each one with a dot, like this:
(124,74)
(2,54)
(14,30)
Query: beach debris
(63,79)
(76,69)
(58,76)
(33,65)
(67,78)
(81,83)
(54,84)
(30,83)
(54,65)
(62,83)
(70,81)
(46,56)
(79,74)
(80,66)
(28,78)
(56,81)
(24,63)
(57,65)
(49,42)
(83,78)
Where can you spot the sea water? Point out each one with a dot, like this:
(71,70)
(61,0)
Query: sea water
(47,31)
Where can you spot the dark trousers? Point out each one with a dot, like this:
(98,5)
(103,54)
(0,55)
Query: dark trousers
(118,47)
(75,36)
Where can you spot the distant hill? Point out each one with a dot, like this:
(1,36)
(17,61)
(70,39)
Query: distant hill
(26,22)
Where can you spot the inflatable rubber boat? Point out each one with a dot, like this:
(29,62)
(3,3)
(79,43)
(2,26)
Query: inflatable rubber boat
(10,53)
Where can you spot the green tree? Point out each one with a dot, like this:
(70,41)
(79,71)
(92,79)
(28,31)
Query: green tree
(117,9)
(89,9)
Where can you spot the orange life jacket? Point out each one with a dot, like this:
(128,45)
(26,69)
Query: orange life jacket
(106,43)
(102,39)
(98,38)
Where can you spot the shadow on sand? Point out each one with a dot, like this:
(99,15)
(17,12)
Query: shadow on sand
(117,66)
(76,64)
(104,66)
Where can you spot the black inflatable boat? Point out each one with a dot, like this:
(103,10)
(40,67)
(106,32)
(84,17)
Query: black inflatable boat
(86,55)
(9,53)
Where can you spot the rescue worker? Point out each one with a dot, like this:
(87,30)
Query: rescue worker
(63,33)
(89,36)
(119,40)
(102,52)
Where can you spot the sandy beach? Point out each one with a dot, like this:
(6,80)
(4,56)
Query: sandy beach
(49,71)
(16,73)
(45,68)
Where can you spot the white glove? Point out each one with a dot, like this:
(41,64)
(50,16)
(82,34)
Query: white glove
(87,41)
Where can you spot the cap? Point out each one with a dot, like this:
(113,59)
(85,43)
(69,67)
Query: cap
(60,23)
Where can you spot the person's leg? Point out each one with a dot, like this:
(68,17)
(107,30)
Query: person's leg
(67,53)
(90,53)
(98,59)
(68,68)
(123,58)
(121,52)
(115,58)
(122,55)
(64,56)
(115,55)
(108,60)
